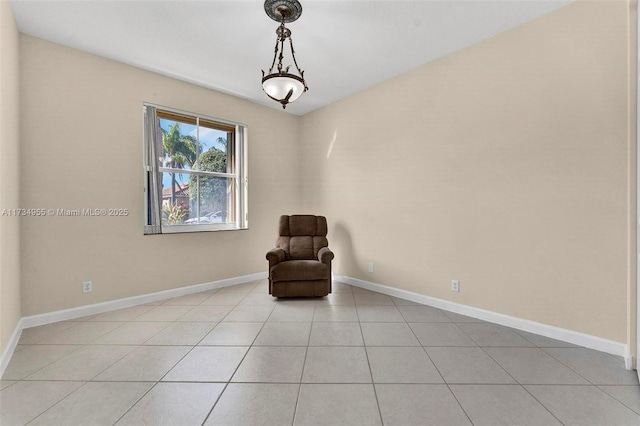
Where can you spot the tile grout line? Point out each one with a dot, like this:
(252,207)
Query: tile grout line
(636,386)
(520,384)
(438,370)
(364,343)
(226,385)
(228,382)
(541,404)
(569,367)
(174,365)
(185,355)
(516,380)
(81,346)
(136,402)
(304,363)
(488,354)
(47,365)
(59,401)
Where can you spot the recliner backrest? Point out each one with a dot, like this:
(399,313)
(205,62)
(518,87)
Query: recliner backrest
(302,236)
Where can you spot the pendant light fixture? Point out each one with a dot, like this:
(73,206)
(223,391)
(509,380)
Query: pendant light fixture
(280,84)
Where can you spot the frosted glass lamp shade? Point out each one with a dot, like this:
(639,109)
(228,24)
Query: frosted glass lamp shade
(278,87)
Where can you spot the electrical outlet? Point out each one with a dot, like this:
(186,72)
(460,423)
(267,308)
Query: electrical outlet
(87,287)
(455,285)
(372,267)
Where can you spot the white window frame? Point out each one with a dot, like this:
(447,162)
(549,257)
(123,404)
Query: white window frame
(240,162)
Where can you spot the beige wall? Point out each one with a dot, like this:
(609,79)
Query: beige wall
(82,148)
(9,175)
(507,166)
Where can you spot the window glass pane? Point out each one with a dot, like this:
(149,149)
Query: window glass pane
(175,198)
(217,199)
(213,148)
(213,160)
(179,144)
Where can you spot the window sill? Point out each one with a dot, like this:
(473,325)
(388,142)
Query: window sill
(185,229)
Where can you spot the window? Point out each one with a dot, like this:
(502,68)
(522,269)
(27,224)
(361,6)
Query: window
(195,172)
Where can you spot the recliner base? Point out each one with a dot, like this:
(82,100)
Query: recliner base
(311,288)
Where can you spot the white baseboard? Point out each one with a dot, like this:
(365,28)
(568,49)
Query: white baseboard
(11,347)
(574,337)
(98,308)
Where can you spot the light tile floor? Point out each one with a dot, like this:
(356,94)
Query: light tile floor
(239,356)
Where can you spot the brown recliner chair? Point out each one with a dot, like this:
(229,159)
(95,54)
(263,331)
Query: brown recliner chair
(300,265)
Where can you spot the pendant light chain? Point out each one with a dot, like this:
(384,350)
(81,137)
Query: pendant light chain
(283,86)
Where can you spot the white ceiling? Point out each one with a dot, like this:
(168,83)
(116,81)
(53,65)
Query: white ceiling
(343,46)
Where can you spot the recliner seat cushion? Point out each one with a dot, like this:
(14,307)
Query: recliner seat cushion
(296,270)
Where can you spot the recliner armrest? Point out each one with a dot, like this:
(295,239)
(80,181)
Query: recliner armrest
(325,255)
(275,256)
